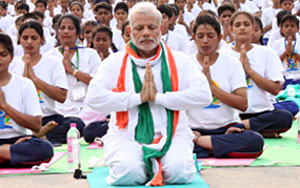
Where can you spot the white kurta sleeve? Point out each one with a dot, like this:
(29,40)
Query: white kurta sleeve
(194,90)
(100,96)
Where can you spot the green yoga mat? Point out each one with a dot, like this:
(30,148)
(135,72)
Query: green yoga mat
(97,179)
(61,166)
(281,152)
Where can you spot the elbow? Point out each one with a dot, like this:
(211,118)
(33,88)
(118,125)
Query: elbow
(63,96)
(62,99)
(276,90)
(37,125)
(243,107)
(37,128)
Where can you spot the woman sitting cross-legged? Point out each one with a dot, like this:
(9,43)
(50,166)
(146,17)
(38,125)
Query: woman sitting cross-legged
(217,127)
(20,115)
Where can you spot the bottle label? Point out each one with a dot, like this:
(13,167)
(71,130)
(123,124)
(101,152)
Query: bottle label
(70,149)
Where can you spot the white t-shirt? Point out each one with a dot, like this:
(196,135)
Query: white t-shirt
(291,68)
(20,94)
(296,7)
(229,75)
(195,10)
(252,6)
(89,61)
(188,18)
(264,61)
(50,70)
(208,6)
(175,41)
(180,29)
(267,18)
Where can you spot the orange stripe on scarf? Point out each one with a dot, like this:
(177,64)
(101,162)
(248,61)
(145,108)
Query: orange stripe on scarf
(158,178)
(122,117)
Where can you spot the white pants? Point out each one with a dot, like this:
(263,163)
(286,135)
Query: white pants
(126,166)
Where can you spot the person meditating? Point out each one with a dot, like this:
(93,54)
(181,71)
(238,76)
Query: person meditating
(146,88)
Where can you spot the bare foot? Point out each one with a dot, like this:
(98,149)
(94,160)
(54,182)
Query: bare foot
(45,129)
(270,135)
(197,135)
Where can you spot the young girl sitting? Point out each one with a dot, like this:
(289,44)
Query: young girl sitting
(20,115)
(217,127)
(264,77)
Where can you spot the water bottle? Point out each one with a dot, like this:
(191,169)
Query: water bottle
(73,140)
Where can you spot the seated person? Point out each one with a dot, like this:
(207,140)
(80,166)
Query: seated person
(146,88)
(20,115)
(263,76)
(219,125)
(288,49)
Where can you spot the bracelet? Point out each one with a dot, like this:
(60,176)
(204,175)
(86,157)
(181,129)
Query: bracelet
(74,72)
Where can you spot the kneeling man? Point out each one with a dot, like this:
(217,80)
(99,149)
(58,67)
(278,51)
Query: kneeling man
(146,88)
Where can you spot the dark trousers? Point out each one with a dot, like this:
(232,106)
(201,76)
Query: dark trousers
(59,134)
(31,152)
(290,106)
(245,144)
(277,120)
(95,129)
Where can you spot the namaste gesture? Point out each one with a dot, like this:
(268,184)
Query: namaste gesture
(148,92)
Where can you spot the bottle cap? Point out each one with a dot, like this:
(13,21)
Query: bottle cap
(73,125)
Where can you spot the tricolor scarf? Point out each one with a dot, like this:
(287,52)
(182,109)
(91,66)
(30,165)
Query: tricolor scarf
(144,132)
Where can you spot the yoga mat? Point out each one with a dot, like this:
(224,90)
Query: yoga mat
(97,179)
(278,152)
(10,171)
(94,146)
(281,152)
(61,166)
(225,162)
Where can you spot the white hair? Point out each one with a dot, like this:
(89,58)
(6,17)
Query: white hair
(146,8)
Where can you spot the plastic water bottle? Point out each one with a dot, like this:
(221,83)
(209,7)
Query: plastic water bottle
(73,140)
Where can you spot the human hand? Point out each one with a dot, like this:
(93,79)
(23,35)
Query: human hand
(27,62)
(23,139)
(206,70)
(66,61)
(2,99)
(180,17)
(226,30)
(148,92)
(234,130)
(28,68)
(289,46)
(244,59)
(145,89)
(152,86)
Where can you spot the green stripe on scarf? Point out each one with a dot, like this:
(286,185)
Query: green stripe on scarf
(144,132)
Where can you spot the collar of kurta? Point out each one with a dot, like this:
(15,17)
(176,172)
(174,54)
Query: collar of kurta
(153,149)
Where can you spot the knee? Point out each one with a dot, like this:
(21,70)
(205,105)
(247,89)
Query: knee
(123,173)
(93,130)
(79,123)
(285,119)
(44,149)
(127,172)
(255,141)
(179,171)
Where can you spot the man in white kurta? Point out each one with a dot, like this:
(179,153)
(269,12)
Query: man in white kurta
(123,153)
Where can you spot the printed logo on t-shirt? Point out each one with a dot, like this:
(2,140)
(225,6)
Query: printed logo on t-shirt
(40,95)
(249,82)
(5,121)
(215,103)
(292,63)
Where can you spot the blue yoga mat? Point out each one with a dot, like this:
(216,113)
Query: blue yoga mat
(97,179)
